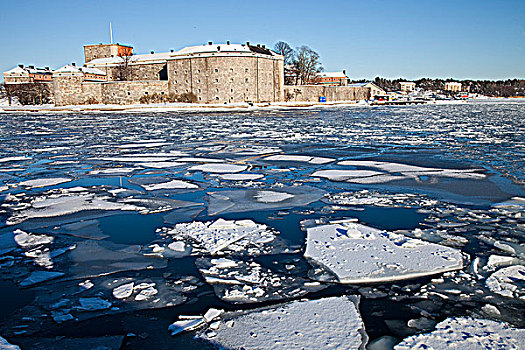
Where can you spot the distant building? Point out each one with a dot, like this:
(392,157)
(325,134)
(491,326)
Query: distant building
(330,79)
(30,74)
(407,86)
(374,89)
(453,86)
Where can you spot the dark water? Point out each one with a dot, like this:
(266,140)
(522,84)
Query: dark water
(115,211)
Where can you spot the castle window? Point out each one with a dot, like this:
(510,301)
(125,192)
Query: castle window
(246,70)
(199,90)
(231,70)
(216,80)
(129,93)
(217,98)
(198,70)
(231,90)
(145,92)
(200,98)
(186,81)
(199,80)
(216,71)
(246,80)
(232,80)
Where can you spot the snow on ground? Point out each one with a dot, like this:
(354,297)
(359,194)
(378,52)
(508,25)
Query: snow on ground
(360,254)
(215,237)
(467,334)
(169,185)
(219,168)
(508,281)
(36,183)
(241,177)
(330,323)
(298,158)
(113,171)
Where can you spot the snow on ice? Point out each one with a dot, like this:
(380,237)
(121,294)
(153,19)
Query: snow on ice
(466,334)
(330,323)
(360,254)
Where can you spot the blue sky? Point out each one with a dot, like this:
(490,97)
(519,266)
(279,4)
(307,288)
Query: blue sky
(410,39)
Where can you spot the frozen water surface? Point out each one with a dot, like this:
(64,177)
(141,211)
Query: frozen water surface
(123,231)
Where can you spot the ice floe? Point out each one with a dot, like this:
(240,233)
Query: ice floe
(465,334)
(13,159)
(360,254)
(330,323)
(299,158)
(249,200)
(36,183)
(40,276)
(27,240)
(170,185)
(508,281)
(219,168)
(221,236)
(5,345)
(241,177)
(246,281)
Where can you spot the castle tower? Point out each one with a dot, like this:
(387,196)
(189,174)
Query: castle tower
(92,52)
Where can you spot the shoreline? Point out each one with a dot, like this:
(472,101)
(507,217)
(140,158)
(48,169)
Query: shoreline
(192,107)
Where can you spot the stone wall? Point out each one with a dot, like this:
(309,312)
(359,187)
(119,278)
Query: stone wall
(220,79)
(130,92)
(67,90)
(311,93)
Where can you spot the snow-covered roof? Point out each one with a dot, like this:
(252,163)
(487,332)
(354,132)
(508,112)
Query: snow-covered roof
(331,75)
(17,70)
(189,50)
(89,70)
(74,69)
(365,84)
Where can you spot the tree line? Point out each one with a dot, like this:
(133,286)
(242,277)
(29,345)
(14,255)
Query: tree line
(499,88)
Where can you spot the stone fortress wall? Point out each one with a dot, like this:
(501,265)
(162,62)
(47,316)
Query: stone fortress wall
(214,74)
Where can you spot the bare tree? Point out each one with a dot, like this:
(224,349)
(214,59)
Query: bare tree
(285,50)
(124,69)
(306,65)
(29,93)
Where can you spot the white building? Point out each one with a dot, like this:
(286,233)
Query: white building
(407,86)
(453,86)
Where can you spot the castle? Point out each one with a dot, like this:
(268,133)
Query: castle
(210,73)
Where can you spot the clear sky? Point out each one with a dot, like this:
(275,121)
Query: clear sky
(469,39)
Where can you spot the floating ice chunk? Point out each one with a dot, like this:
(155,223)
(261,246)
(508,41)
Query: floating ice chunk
(219,168)
(272,196)
(113,171)
(499,260)
(40,276)
(27,240)
(219,235)
(239,281)
(359,254)
(186,325)
(93,304)
(136,159)
(332,323)
(200,160)
(465,334)
(161,165)
(344,175)
(177,246)
(13,159)
(241,177)
(246,200)
(169,185)
(513,203)
(414,171)
(508,281)
(5,345)
(146,291)
(36,183)
(144,145)
(298,158)
(124,291)
(49,149)
(3,188)
(212,314)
